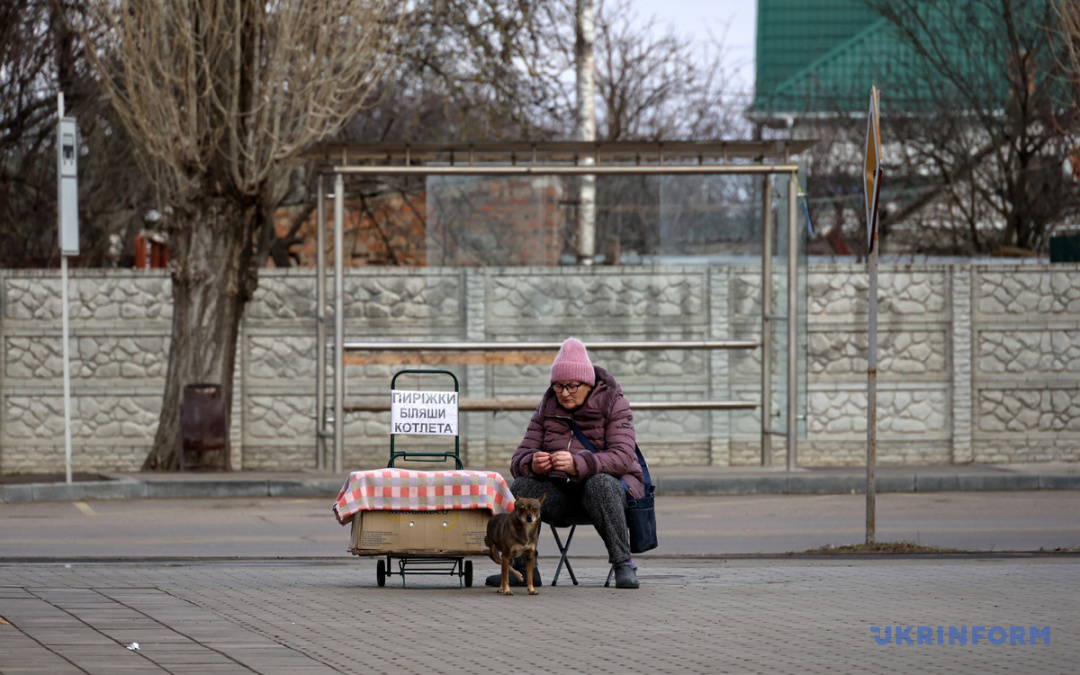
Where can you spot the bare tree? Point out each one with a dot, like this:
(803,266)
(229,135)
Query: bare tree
(471,70)
(40,55)
(503,69)
(26,63)
(982,146)
(1067,29)
(656,84)
(220,94)
(1068,12)
(975,124)
(463,70)
(26,75)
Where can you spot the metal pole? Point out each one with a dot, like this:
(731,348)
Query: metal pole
(381,404)
(65,334)
(339,322)
(766,321)
(67,365)
(871,347)
(871,398)
(622,345)
(567,169)
(793,325)
(320,328)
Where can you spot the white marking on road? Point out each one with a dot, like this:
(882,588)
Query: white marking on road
(85,508)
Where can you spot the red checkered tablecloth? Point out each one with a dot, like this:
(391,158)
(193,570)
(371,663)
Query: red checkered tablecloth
(398,489)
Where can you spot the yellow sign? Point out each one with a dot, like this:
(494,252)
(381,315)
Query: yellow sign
(872,169)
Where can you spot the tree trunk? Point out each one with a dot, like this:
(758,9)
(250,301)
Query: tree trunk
(212,280)
(586,126)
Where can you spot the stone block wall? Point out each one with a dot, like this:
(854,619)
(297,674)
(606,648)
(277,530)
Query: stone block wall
(977,362)
(914,382)
(631,303)
(120,338)
(1025,394)
(278,357)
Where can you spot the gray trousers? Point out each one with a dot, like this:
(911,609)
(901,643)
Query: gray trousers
(600,500)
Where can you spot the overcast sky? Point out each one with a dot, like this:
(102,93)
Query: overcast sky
(697,17)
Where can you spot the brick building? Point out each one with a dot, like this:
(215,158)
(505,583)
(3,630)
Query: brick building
(470,222)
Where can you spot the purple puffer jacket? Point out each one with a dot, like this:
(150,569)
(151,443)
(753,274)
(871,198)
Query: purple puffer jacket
(607,422)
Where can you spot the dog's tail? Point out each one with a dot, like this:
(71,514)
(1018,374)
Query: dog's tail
(496,556)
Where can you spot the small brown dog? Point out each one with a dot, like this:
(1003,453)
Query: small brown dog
(510,535)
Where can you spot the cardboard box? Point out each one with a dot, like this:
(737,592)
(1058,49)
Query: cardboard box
(454,531)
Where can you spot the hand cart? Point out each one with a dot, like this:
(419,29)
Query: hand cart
(411,542)
(427,456)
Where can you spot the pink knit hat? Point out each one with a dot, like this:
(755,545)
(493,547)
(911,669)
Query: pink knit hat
(572,364)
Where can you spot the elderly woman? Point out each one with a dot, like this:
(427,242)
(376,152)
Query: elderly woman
(578,482)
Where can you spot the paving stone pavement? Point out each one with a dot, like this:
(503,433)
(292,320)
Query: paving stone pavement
(707,615)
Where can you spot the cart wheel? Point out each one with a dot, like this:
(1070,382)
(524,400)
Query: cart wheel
(380,573)
(468,574)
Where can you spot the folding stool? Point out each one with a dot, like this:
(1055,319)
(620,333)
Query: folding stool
(564,549)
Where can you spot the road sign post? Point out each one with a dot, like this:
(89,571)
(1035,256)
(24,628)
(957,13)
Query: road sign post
(872,191)
(67,208)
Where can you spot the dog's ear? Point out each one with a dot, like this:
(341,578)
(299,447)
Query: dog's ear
(542,497)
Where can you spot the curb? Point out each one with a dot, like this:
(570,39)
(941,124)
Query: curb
(127,488)
(69,492)
(801,484)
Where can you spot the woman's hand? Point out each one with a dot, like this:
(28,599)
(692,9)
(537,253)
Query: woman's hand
(541,463)
(563,461)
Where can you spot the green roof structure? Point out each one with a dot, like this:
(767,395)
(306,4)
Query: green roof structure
(792,35)
(821,57)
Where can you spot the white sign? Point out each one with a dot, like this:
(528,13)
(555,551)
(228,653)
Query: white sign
(424,413)
(67,172)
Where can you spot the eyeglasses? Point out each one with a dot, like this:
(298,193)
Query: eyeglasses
(568,388)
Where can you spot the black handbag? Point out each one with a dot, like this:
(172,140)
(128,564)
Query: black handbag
(640,511)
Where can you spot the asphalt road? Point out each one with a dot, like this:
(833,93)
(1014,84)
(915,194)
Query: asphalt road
(318,610)
(688,526)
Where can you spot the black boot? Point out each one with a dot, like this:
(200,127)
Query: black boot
(518,564)
(625,576)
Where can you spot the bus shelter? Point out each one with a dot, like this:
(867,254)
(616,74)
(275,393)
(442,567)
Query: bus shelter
(770,160)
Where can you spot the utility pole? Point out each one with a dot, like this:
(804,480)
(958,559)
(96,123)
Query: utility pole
(67,192)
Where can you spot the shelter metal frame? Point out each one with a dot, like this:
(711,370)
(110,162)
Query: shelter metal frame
(559,158)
